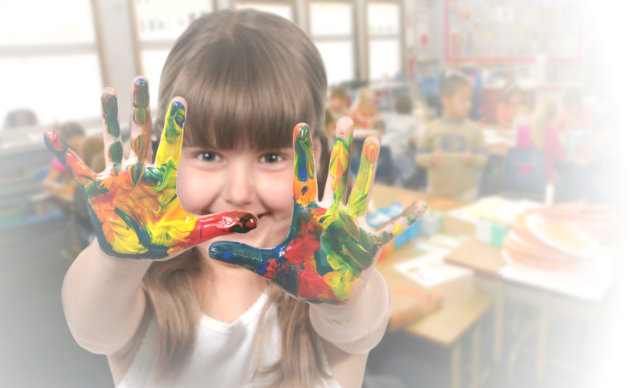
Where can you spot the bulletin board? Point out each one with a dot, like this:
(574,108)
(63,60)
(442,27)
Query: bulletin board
(513,30)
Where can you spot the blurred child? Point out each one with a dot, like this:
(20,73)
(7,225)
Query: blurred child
(574,115)
(59,181)
(541,134)
(330,127)
(364,114)
(453,148)
(401,131)
(609,158)
(512,106)
(338,102)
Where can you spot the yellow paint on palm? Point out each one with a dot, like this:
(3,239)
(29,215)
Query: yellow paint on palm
(359,195)
(339,166)
(397,229)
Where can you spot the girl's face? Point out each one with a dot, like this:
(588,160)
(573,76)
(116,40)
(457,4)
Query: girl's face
(214,181)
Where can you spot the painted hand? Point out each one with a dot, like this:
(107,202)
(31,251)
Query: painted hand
(330,250)
(134,208)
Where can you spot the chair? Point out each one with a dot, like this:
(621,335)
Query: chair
(524,174)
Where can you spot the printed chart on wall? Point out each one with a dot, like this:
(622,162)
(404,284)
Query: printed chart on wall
(513,30)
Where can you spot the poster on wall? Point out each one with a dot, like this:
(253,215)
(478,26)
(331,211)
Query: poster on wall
(422,29)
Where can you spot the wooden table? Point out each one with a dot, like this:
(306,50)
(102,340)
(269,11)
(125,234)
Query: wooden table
(486,261)
(448,324)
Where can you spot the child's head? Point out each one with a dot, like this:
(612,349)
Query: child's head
(456,94)
(92,153)
(338,98)
(402,104)
(366,98)
(248,78)
(572,98)
(543,117)
(512,95)
(73,134)
(330,125)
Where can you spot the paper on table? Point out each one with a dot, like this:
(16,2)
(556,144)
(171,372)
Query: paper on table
(430,270)
(496,209)
(589,281)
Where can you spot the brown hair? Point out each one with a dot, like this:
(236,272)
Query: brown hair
(247,76)
(543,116)
(451,84)
(338,92)
(572,96)
(402,104)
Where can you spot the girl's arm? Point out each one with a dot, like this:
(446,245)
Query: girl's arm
(103,301)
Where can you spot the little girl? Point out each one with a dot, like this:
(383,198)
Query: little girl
(364,113)
(542,134)
(310,305)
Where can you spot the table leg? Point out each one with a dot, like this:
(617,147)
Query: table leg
(579,358)
(475,368)
(456,365)
(542,345)
(498,332)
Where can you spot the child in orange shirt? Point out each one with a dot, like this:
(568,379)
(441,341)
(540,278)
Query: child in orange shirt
(364,114)
(509,108)
(574,114)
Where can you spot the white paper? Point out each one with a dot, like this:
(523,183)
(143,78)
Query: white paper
(430,270)
(589,281)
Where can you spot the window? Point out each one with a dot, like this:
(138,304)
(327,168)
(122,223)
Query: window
(332,28)
(159,24)
(40,54)
(385,47)
(283,9)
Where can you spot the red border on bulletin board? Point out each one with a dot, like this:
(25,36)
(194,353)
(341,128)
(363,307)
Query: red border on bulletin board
(449,58)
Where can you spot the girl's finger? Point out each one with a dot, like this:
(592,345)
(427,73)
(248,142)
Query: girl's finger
(110,128)
(140,129)
(305,188)
(172,136)
(359,197)
(82,174)
(399,224)
(221,224)
(339,163)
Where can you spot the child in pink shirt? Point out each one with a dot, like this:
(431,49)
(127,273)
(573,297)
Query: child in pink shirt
(542,134)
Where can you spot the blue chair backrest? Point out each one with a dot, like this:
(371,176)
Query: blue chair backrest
(524,171)
(579,182)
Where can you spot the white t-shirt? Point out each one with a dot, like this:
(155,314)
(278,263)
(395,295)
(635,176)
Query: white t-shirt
(398,130)
(222,357)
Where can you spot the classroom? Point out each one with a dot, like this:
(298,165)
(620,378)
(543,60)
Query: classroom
(460,199)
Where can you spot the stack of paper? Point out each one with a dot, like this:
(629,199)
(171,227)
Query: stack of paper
(430,270)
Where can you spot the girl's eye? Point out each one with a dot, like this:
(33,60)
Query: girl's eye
(271,158)
(208,156)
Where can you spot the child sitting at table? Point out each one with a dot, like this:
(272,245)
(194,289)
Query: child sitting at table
(511,107)
(575,113)
(453,148)
(609,158)
(59,181)
(338,102)
(541,134)
(364,114)
(401,131)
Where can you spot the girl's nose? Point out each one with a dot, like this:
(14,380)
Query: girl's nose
(239,189)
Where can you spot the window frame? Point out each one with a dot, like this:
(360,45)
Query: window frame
(355,33)
(66,50)
(401,36)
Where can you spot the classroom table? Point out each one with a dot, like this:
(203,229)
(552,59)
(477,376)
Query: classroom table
(447,325)
(487,261)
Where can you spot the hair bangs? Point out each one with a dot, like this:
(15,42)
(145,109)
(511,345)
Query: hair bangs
(239,91)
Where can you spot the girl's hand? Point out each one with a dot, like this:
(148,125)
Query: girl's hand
(330,250)
(133,205)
